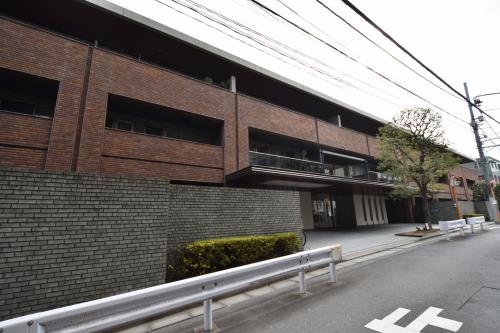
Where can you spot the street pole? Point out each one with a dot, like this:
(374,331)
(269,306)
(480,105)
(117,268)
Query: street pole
(492,205)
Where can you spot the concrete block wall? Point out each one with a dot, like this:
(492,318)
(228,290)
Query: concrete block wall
(443,211)
(198,213)
(67,238)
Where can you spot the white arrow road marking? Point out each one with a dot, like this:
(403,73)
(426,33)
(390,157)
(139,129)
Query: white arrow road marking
(428,317)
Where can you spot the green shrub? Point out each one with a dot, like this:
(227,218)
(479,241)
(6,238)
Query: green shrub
(480,191)
(213,255)
(475,215)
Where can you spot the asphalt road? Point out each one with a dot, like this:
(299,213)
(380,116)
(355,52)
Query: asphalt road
(461,277)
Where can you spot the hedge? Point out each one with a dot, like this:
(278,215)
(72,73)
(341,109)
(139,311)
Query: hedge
(213,255)
(475,215)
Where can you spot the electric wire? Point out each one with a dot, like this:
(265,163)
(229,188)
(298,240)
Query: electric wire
(353,59)
(205,23)
(240,40)
(274,41)
(382,49)
(313,25)
(389,37)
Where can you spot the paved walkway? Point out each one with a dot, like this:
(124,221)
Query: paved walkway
(360,238)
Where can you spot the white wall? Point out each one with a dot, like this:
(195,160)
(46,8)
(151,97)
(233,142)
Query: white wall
(373,199)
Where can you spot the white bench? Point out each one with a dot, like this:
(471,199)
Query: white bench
(476,220)
(448,226)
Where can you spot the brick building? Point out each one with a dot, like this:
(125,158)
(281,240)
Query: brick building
(89,87)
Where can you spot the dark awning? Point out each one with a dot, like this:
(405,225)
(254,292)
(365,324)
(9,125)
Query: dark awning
(259,175)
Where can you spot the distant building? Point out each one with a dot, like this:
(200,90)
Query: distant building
(493,166)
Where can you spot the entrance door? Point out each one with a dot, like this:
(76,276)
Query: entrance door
(323,210)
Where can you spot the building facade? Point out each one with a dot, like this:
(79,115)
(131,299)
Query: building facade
(127,96)
(493,166)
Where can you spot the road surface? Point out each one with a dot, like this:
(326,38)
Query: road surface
(450,286)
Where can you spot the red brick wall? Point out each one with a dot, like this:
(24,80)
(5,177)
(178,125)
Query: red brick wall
(111,73)
(114,166)
(338,137)
(260,115)
(372,146)
(144,155)
(23,140)
(22,157)
(39,53)
(24,130)
(465,173)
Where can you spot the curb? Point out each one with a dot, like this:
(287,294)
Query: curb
(348,260)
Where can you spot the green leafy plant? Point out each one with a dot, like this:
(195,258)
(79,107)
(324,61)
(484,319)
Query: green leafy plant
(480,191)
(413,150)
(496,189)
(213,255)
(476,215)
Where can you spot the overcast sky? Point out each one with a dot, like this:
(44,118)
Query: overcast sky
(458,39)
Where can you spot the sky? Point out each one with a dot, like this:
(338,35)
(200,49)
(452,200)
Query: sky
(458,39)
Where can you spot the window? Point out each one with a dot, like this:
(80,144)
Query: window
(17,106)
(153,130)
(124,125)
(137,116)
(27,94)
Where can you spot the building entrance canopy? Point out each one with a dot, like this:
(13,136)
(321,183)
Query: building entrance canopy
(271,176)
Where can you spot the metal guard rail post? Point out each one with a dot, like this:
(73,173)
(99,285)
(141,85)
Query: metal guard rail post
(123,309)
(476,220)
(448,226)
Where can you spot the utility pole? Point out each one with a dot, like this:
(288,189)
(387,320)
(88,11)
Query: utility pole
(492,205)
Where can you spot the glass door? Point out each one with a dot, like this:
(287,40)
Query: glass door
(323,210)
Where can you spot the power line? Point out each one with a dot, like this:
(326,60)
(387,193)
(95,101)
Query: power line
(244,42)
(384,50)
(351,58)
(270,47)
(313,25)
(373,24)
(249,37)
(274,41)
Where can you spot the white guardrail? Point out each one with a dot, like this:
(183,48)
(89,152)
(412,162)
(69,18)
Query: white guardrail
(121,310)
(476,220)
(448,226)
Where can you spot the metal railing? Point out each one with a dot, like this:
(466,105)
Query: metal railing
(283,162)
(380,177)
(125,309)
(289,163)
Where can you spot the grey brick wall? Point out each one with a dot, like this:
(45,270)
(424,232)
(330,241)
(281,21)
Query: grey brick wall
(210,212)
(445,210)
(68,238)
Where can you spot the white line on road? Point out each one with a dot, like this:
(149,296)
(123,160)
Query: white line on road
(428,317)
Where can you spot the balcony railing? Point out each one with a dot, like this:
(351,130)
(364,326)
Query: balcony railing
(289,163)
(380,177)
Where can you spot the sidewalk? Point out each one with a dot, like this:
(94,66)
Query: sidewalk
(361,251)
(360,238)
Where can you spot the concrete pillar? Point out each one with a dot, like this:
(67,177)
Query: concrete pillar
(306,210)
(232,83)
